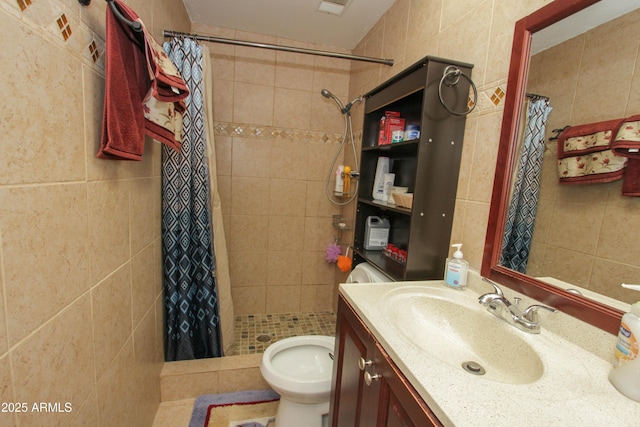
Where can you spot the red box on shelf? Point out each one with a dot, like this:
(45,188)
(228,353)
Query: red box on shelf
(388,123)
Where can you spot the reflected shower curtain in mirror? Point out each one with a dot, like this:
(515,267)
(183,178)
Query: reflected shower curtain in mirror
(191,294)
(524,199)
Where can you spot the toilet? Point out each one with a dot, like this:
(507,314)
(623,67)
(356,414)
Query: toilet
(299,369)
(366,273)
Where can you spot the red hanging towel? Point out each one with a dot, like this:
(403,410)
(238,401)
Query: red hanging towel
(143,91)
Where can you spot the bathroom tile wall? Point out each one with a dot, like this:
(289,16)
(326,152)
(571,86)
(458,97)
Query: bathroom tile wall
(582,231)
(80,251)
(275,138)
(478,32)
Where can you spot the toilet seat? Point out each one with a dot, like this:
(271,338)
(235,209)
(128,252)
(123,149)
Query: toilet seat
(296,367)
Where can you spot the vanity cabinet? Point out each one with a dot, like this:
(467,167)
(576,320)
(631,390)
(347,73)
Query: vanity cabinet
(368,389)
(428,166)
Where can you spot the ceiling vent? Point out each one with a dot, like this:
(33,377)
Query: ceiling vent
(334,7)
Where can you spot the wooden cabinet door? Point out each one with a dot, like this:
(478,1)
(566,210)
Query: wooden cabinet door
(353,404)
(399,404)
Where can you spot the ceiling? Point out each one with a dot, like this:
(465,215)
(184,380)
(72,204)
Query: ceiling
(297,20)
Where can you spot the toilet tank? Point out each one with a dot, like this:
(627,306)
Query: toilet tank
(366,273)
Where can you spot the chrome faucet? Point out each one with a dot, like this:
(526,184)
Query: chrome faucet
(497,304)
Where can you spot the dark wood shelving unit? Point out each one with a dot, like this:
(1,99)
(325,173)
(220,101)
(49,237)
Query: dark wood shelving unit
(428,166)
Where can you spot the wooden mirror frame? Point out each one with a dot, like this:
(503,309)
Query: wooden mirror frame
(590,311)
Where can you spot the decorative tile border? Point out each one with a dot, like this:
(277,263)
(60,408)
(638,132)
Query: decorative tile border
(272,132)
(60,24)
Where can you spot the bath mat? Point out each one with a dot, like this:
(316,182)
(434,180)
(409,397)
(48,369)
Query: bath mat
(244,402)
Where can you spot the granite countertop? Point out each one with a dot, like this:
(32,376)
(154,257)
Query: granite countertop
(572,390)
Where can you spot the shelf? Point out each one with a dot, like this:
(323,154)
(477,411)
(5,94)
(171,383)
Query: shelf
(405,148)
(383,263)
(385,207)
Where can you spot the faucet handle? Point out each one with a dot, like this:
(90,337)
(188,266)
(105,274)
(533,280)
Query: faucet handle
(495,286)
(531,312)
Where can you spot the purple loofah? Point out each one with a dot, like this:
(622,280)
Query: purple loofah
(332,252)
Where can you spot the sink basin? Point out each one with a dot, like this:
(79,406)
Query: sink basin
(453,330)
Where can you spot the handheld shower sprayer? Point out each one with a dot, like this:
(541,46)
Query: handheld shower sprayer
(344,109)
(347,137)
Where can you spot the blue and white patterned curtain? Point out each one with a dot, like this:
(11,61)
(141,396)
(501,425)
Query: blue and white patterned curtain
(191,297)
(524,200)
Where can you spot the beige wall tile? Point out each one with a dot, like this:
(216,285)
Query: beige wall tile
(7,419)
(315,299)
(294,70)
(44,238)
(284,268)
(253,300)
(147,370)
(283,299)
(116,389)
(287,197)
(111,315)
(250,196)
(40,117)
(251,157)
(248,234)
(87,414)
(60,355)
(249,268)
(291,108)
(288,160)
(285,233)
(144,282)
(253,103)
(144,193)
(108,233)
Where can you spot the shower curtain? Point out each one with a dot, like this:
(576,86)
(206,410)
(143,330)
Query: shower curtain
(524,199)
(196,275)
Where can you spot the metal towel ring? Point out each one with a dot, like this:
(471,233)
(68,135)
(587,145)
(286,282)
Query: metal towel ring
(451,77)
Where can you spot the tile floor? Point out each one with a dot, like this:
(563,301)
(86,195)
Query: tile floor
(253,334)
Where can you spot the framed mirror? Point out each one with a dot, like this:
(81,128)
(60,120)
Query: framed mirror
(551,20)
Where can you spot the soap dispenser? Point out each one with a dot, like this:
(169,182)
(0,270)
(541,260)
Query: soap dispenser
(625,374)
(456,269)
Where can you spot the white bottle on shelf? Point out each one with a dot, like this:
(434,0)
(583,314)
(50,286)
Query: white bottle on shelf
(339,181)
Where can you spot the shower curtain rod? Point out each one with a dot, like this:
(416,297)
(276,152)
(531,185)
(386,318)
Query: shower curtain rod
(169,33)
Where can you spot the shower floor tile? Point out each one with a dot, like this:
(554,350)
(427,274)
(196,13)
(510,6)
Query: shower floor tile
(254,332)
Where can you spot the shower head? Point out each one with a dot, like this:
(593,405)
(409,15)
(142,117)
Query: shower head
(344,109)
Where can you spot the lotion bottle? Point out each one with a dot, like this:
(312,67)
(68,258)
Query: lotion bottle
(339,181)
(456,269)
(625,373)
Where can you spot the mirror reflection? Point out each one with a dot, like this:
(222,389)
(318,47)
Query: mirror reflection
(580,236)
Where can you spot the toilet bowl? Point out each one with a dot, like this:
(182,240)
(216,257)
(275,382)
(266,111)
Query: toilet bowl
(299,369)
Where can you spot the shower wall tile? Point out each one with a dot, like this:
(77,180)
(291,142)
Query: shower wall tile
(39,116)
(111,315)
(294,71)
(314,299)
(289,160)
(253,103)
(144,282)
(223,98)
(250,196)
(6,391)
(251,158)
(116,388)
(144,192)
(109,233)
(60,355)
(248,268)
(287,198)
(146,366)
(284,268)
(283,299)
(292,108)
(248,234)
(223,149)
(285,233)
(70,222)
(44,238)
(251,300)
